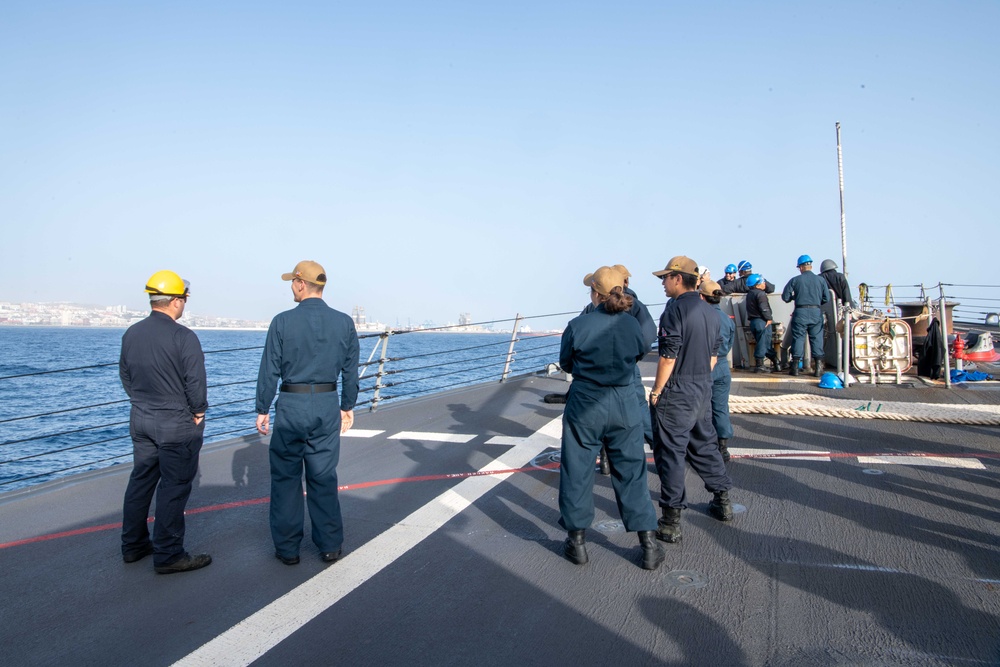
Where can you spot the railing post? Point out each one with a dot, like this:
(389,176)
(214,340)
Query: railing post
(846,356)
(381,367)
(944,338)
(510,350)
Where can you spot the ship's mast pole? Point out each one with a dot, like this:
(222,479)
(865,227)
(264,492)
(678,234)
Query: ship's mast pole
(845,357)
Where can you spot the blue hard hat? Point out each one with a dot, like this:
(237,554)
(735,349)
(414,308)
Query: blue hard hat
(754,279)
(744,265)
(831,381)
(804,259)
(730,268)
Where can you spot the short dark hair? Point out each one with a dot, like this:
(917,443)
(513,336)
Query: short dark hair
(690,282)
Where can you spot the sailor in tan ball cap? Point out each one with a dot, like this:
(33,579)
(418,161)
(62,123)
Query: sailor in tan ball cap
(682,399)
(310,348)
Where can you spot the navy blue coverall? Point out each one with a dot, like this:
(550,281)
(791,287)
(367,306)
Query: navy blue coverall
(809,292)
(739,286)
(162,369)
(310,345)
(601,349)
(721,377)
(648,327)
(689,333)
(838,283)
(759,314)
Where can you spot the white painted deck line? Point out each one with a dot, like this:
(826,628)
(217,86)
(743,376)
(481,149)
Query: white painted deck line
(257,634)
(361,433)
(932,461)
(432,437)
(506,440)
(780,454)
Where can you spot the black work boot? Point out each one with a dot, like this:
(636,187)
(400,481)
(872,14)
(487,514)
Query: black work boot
(775,364)
(605,464)
(760,367)
(794,368)
(724,450)
(668,528)
(818,368)
(720,507)
(575,548)
(652,553)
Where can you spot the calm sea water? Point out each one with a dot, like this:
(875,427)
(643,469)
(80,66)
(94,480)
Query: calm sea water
(55,424)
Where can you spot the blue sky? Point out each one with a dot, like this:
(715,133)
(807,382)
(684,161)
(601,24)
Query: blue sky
(448,157)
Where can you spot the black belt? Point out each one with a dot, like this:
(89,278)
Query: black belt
(309,388)
(798,306)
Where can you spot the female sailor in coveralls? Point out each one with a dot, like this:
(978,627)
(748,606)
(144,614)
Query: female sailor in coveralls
(601,349)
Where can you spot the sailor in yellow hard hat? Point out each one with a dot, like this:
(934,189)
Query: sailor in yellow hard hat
(167,284)
(162,369)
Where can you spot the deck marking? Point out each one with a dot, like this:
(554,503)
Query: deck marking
(934,461)
(973,462)
(260,632)
(432,437)
(361,433)
(506,440)
(786,454)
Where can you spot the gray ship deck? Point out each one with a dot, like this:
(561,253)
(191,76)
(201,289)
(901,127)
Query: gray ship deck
(827,564)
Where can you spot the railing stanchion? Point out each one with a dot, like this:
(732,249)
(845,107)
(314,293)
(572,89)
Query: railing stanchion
(381,367)
(510,350)
(944,338)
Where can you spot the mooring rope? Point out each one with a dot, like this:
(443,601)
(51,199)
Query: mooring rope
(811,405)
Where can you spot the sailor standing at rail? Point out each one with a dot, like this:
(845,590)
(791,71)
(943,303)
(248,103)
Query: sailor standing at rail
(760,316)
(310,348)
(682,399)
(809,292)
(601,349)
(162,369)
(722,379)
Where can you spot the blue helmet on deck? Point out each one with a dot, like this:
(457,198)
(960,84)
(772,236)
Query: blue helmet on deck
(730,268)
(804,259)
(744,265)
(754,279)
(831,381)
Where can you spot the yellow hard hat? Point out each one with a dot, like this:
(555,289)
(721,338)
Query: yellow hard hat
(167,283)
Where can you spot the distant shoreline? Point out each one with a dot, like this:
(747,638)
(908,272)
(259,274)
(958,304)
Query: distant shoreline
(368,332)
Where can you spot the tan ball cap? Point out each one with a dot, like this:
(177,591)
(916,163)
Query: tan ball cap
(606,279)
(307,270)
(679,264)
(620,268)
(709,287)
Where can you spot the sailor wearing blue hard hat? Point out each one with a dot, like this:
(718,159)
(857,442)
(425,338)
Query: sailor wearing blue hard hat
(731,275)
(760,317)
(739,286)
(809,292)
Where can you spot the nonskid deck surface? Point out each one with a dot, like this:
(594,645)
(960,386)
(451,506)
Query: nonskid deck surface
(843,559)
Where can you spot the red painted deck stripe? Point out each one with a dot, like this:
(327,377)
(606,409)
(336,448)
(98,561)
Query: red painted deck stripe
(462,475)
